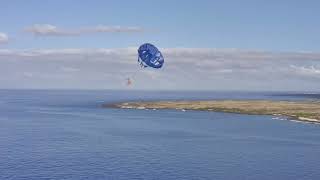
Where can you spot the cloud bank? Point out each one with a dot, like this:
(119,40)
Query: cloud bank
(51,30)
(185,68)
(3,38)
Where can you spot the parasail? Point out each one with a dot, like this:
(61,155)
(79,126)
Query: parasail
(150,56)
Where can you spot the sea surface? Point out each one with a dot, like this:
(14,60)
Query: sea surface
(66,134)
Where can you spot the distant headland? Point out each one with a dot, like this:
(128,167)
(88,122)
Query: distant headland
(308,111)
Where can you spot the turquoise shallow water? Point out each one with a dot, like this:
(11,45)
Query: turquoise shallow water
(67,135)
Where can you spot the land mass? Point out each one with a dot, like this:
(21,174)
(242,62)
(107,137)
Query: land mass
(308,111)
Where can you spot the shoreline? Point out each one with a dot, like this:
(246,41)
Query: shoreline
(304,111)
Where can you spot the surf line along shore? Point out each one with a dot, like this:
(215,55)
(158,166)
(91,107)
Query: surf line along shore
(307,111)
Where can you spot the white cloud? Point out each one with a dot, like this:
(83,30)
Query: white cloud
(70,69)
(304,70)
(185,68)
(3,38)
(27,74)
(103,28)
(51,30)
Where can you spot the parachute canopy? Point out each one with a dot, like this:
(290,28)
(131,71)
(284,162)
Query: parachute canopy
(150,56)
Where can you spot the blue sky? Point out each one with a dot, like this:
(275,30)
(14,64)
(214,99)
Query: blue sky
(285,25)
(264,29)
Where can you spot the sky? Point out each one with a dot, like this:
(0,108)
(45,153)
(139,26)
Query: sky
(207,44)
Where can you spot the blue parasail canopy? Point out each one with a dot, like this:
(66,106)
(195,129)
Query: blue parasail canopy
(150,56)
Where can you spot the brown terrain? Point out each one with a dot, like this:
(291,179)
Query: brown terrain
(299,110)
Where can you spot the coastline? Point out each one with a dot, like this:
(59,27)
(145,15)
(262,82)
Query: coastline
(305,111)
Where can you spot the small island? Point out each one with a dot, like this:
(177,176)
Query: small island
(308,111)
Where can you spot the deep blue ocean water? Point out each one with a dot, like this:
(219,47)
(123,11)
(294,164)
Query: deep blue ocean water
(56,134)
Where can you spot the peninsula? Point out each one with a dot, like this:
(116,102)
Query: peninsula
(308,111)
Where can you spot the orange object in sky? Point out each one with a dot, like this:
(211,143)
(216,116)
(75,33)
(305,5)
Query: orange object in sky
(129,82)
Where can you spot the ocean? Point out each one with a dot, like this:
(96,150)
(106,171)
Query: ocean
(67,134)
